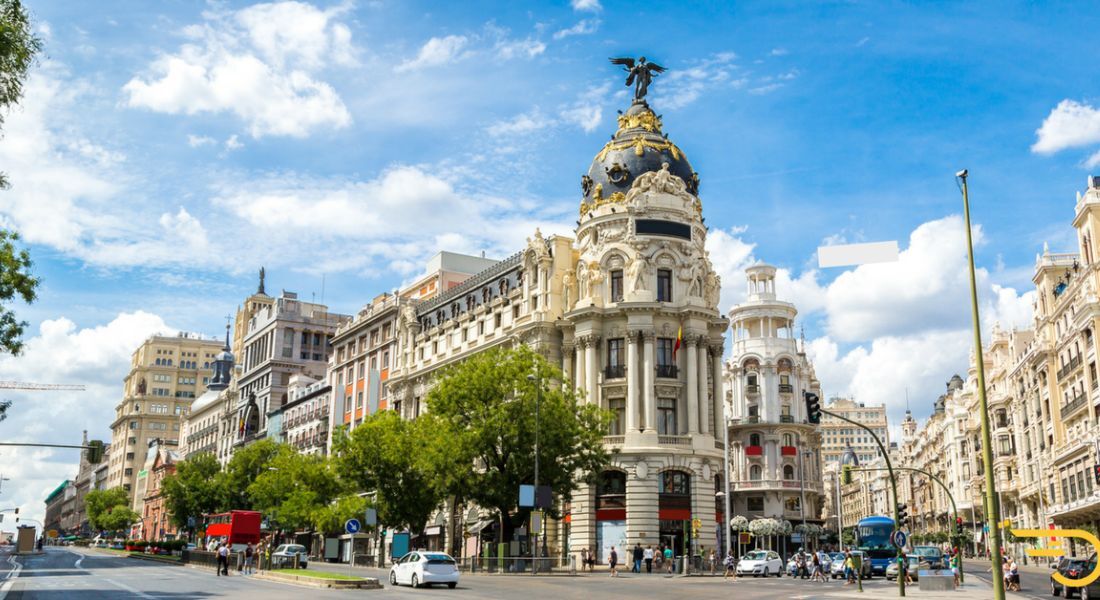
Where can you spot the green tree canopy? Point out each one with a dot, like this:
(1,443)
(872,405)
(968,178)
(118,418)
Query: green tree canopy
(248,463)
(295,488)
(196,488)
(386,454)
(109,510)
(485,406)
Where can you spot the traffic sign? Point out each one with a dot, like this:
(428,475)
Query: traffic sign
(371,517)
(51,533)
(352,526)
(899,538)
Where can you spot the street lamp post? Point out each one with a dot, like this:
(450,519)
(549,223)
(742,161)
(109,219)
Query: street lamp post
(537,378)
(726,482)
(802,492)
(993,511)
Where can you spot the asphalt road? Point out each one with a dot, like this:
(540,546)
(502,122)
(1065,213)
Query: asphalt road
(1034,581)
(69,574)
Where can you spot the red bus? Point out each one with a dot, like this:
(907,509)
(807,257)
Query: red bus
(240,527)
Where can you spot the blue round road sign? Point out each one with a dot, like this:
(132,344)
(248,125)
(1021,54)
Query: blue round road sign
(899,538)
(352,526)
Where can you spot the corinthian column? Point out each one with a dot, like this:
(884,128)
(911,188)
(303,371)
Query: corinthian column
(648,374)
(692,386)
(704,411)
(582,369)
(632,381)
(592,368)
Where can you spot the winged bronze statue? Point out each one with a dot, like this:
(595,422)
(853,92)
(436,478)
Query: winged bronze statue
(639,74)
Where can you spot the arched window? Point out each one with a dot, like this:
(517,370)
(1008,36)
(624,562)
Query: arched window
(754,439)
(788,439)
(755,472)
(788,472)
(784,364)
(486,295)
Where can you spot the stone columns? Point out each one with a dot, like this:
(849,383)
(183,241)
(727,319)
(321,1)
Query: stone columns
(581,382)
(641,509)
(704,403)
(592,368)
(632,408)
(690,374)
(719,403)
(567,363)
(648,375)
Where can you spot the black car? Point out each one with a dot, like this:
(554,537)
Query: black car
(1071,568)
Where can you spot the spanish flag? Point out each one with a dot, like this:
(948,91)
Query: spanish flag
(679,341)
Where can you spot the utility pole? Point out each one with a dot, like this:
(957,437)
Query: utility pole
(537,378)
(992,510)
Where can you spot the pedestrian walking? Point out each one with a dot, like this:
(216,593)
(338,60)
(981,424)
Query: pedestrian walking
(637,556)
(584,559)
(955,567)
(223,560)
(818,573)
(731,567)
(249,552)
(713,560)
(648,557)
(668,558)
(849,568)
(613,561)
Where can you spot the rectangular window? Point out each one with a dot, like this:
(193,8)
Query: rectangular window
(664,285)
(496,323)
(755,503)
(615,356)
(515,312)
(664,351)
(617,285)
(666,417)
(618,419)
(305,339)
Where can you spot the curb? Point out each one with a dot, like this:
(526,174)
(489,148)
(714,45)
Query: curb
(157,559)
(368,583)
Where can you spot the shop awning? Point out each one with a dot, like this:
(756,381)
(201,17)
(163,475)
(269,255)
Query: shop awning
(477,527)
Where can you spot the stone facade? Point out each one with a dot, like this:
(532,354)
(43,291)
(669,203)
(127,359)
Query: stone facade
(775,468)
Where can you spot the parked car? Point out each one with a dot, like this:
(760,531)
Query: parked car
(424,568)
(1070,567)
(284,555)
(932,554)
(760,562)
(836,570)
(914,565)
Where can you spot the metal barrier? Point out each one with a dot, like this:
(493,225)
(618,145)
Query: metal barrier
(515,565)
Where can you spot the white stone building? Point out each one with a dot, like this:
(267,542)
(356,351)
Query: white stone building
(774,452)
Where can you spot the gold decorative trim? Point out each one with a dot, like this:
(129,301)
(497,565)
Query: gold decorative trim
(639,144)
(645,120)
(598,200)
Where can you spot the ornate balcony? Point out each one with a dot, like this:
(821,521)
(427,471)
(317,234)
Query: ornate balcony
(614,371)
(754,451)
(674,440)
(1075,404)
(667,371)
(788,451)
(786,418)
(786,388)
(752,389)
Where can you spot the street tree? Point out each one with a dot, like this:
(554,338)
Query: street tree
(109,510)
(294,488)
(248,463)
(385,455)
(18,48)
(197,488)
(485,405)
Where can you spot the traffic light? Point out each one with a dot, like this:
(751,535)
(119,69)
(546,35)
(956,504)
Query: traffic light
(903,515)
(813,407)
(846,474)
(95,452)
(958,525)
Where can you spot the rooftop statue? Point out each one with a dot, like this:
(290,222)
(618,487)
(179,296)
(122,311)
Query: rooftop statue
(639,74)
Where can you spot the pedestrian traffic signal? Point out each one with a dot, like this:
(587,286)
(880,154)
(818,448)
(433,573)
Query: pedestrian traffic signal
(813,407)
(903,515)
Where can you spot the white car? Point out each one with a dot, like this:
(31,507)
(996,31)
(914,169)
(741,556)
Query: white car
(424,568)
(284,554)
(760,562)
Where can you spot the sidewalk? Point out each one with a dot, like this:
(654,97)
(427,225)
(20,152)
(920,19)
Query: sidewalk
(971,589)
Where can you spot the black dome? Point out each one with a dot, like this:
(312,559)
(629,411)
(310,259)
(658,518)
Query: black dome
(639,146)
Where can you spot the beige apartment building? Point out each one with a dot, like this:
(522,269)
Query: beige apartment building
(838,435)
(167,372)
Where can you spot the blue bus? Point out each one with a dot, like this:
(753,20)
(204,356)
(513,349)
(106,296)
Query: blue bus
(873,538)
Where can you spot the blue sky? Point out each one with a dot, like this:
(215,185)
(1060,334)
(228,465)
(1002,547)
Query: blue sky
(166,150)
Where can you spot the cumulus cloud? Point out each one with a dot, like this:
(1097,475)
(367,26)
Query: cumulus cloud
(435,52)
(1071,124)
(586,5)
(507,49)
(682,86)
(261,63)
(97,356)
(582,27)
(198,141)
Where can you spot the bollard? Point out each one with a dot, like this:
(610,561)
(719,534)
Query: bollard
(572,564)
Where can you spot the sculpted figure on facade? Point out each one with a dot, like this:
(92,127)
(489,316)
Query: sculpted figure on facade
(638,270)
(595,277)
(566,290)
(662,181)
(713,288)
(582,281)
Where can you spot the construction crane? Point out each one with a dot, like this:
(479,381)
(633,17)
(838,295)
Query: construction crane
(22,385)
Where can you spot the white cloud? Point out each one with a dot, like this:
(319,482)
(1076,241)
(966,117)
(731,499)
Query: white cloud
(586,5)
(680,87)
(260,63)
(435,52)
(197,141)
(1093,161)
(61,352)
(778,52)
(765,89)
(232,143)
(525,48)
(1071,124)
(523,123)
(587,111)
(582,27)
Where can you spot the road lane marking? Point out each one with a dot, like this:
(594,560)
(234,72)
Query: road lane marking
(9,581)
(127,588)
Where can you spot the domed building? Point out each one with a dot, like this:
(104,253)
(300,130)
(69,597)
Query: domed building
(642,336)
(774,451)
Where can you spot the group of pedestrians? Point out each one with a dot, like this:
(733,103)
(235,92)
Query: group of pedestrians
(223,551)
(650,557)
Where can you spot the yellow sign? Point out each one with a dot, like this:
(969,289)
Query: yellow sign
(695,525)
(51,533)
(1056,551)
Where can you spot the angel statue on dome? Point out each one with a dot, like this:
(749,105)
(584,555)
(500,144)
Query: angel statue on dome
(639,74)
